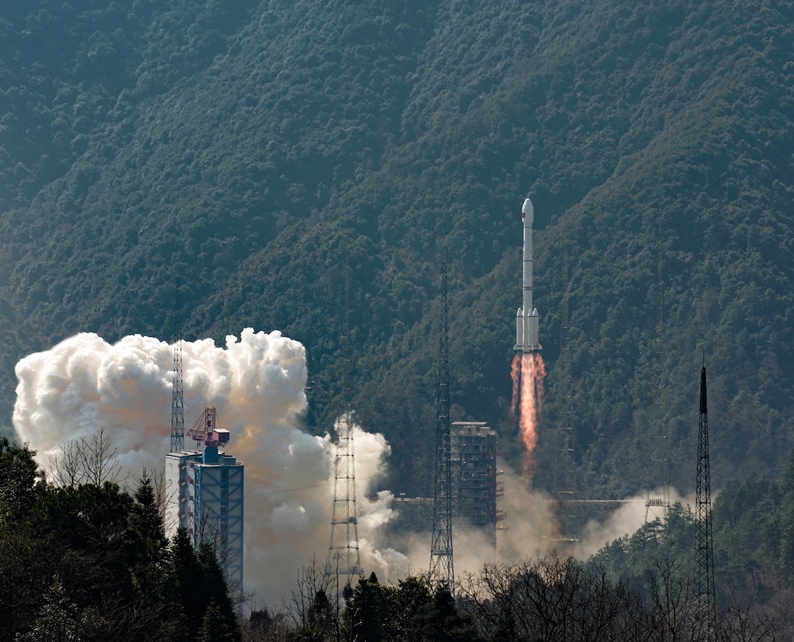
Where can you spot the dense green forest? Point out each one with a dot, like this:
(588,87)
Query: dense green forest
(294,164)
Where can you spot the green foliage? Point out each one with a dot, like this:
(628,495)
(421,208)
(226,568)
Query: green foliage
(90,562)
(409,611)
(754,531)
(257,148)
(671,541)
(18,473)
(215,627)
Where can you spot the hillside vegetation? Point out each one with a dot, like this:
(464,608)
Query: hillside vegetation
(265,153)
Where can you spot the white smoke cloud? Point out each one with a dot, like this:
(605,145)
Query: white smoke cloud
(257,383)
(627,519)
(526,532)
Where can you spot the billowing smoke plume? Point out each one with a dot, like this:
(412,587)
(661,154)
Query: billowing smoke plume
(257,384)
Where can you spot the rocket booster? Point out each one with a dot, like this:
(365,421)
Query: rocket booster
(527,316)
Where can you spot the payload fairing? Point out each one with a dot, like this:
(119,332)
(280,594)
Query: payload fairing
(527,316)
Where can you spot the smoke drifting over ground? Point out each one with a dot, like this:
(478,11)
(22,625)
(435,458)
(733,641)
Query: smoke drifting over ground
(626,520)
(257,384)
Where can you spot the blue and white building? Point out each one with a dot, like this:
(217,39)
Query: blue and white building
(204,495)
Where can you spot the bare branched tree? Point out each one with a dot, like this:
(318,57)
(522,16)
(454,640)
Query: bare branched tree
(98,459)
(65,469)
(671,610)
(312,579)
(740,625)
(87,460)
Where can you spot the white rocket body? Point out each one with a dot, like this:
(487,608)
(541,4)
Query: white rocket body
(527,316)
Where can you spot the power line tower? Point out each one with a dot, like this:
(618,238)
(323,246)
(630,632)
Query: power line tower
(660,505)
(442,569)
(344,557)
(705,593)
(177,391)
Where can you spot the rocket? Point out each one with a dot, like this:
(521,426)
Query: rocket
(527,316)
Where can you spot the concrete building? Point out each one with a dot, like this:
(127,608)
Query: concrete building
(204,495)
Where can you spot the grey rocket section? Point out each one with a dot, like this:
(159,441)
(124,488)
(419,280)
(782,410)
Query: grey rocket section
(527,320)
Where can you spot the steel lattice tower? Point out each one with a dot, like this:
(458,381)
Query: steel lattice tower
(177,391)
(564,486)
(661,455)
(565,467)
(343,553)
(442,570)
(705,594)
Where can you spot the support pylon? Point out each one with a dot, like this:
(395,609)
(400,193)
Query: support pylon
(442,569)
(705,593)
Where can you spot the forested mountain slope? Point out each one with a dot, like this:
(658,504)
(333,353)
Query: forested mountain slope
(255,150)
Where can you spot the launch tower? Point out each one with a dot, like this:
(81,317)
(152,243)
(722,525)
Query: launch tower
(474,475)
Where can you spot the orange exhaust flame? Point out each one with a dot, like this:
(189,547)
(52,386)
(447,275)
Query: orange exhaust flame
(528,371)
(515,376)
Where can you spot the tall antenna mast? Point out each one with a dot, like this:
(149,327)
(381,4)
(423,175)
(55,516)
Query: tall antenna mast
(177,391)
(661,448)
(705,593)
(343,552)
(442,569)
(564,485)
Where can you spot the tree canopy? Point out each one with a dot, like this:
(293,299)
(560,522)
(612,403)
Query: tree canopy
(252,150)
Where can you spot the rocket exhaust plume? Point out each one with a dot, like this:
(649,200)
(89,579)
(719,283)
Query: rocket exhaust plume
(257,384)
(527,370)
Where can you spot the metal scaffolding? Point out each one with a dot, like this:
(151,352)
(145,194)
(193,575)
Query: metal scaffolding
(475,485)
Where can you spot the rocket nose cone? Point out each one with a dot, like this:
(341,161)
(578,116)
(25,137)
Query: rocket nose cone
(528,212)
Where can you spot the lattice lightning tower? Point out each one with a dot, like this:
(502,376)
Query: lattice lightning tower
(564,473)
(177,391)
(343,552)
(442,570)
(660,448)
(705,593)
(564,463)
